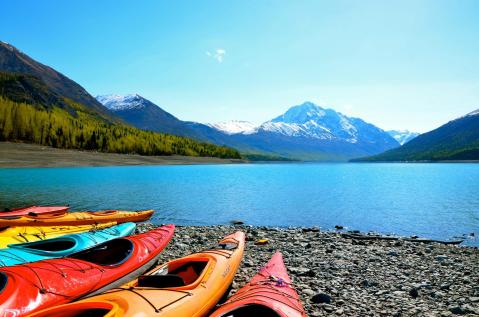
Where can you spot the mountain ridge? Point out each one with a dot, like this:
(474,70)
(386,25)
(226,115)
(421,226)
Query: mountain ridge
(296,134)
(458,139)
(40,105)
(15,61)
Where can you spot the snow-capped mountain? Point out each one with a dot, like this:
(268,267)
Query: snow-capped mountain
(306,131)
(141,113)
(309,120)
(402,136)
(122,102)
(306,120)
(234,127)
(312,121)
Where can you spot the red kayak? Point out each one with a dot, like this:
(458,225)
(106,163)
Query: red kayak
(33,210)
(268,294)
(27,288)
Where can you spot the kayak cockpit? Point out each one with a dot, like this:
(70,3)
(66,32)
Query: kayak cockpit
(252,310)
(103,212)
(96,309)
(175,274)
(110,253)
(86,312)
(3,281)
(51,245)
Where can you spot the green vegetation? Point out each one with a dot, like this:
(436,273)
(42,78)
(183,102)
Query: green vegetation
(257,157)
(29,112)
(457,140)
(24,88)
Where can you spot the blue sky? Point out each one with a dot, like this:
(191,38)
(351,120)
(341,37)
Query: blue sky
(398,64)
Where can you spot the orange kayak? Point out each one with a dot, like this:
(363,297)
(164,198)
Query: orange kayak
(33,210)
(62,218)
(186,287)
(268,294)
(34,286)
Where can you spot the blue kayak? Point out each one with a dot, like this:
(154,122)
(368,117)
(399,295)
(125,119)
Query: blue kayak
(61,246)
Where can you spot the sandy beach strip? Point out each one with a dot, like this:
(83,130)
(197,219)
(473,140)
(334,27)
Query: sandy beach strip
(31,155)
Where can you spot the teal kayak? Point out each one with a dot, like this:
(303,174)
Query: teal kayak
(61,246)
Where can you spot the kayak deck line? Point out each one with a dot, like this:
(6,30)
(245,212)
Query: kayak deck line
(100,267)
(186,286)
(24,234)
(268,293)
(8,254)
(266,286)
(227,251)
(143,288)
(258,292)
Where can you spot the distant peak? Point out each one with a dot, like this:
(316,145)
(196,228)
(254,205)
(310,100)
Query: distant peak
(301,113)
(402,136)
(474,113)
(122,102)
(234,127)
(8,46)
(118,96)
(399,131)
(309,105)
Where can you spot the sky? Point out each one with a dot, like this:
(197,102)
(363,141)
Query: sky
(397,64)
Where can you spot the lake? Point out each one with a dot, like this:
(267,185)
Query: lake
(438,201)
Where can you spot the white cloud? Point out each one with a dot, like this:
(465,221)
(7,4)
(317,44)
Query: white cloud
(218,54)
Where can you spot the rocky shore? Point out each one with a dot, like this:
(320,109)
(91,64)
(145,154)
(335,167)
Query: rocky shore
(339,276)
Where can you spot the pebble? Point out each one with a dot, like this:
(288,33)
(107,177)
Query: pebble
(441,258)
(413,292)
(321,298)
(336,276)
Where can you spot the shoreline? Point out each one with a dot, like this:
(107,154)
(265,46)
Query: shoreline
(24,155)
(340,276)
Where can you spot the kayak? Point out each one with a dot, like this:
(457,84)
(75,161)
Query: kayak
(268,294)
(76,218)
(14,235)
(33,210)
(62,246)
(27,288)
(185,287)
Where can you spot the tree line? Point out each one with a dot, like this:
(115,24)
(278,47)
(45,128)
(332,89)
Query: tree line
(82,130)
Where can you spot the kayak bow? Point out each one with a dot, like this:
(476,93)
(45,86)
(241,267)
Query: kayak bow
(30,287)
(268,294)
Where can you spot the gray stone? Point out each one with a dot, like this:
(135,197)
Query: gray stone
(441,258)
(321,298)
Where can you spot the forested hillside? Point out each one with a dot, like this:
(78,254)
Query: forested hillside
(30,112)
(455,140)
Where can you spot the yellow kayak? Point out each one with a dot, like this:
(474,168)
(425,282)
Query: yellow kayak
(76,218)
(15,235)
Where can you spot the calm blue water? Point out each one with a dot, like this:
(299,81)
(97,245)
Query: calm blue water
(431,200)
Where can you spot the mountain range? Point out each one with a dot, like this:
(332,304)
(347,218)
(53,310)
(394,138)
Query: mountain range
(306,131)
(41,105)
(246,127)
